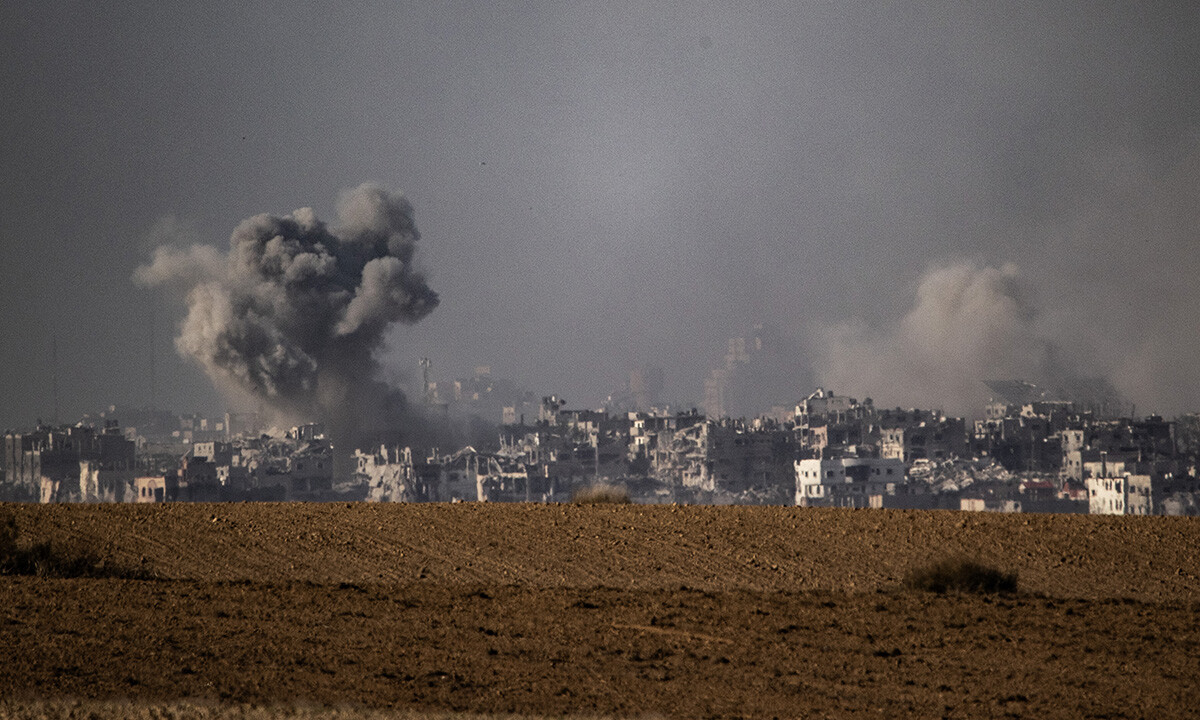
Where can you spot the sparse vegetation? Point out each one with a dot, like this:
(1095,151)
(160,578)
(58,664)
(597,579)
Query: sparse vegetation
(45,559)
(598,494)
(960,574)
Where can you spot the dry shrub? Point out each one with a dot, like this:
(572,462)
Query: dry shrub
(45,559)
(597,494)
(960,574)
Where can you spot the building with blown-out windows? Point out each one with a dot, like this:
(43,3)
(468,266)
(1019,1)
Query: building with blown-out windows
(846,482)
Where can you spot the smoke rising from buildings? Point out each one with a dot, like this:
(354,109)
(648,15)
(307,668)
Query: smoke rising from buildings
(1126,281)
(617,186)
(294,312)
(968,323)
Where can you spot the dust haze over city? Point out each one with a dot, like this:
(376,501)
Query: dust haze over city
(910,199)
(585,360)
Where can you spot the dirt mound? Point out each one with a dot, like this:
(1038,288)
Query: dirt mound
(604,610)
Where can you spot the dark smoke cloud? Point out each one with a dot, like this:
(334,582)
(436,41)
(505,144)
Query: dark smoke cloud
(295,310)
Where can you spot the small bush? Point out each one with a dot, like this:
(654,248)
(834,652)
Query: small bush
(45,559)
(960,575)
(597,494)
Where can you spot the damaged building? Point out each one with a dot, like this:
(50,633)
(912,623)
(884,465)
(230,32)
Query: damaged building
(397,475)
(69,464)
(848,482)
(724,459)
(394,475)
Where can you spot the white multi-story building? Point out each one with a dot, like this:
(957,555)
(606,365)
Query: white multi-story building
(846,482)
(1125,494)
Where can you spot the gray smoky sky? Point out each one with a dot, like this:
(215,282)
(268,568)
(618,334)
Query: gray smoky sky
(913,196)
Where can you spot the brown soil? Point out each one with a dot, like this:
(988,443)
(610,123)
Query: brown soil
(605,610)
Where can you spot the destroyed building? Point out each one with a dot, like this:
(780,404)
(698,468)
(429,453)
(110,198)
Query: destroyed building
(847,482)
(1092,396)
(394,475)
(1039,455)
(936,437)
(1148,440)
(726,458)
(69,463)
(397,475)
(1122,494)
(830,426)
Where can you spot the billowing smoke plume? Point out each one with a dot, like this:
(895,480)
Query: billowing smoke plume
(293,313)
(968,324)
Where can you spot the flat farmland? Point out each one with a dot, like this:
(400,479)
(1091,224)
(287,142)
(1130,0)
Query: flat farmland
(364,610)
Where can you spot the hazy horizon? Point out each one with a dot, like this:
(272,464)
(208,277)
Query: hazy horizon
(912,198)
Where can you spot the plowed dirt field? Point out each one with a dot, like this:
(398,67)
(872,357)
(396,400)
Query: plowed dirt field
(630,611)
